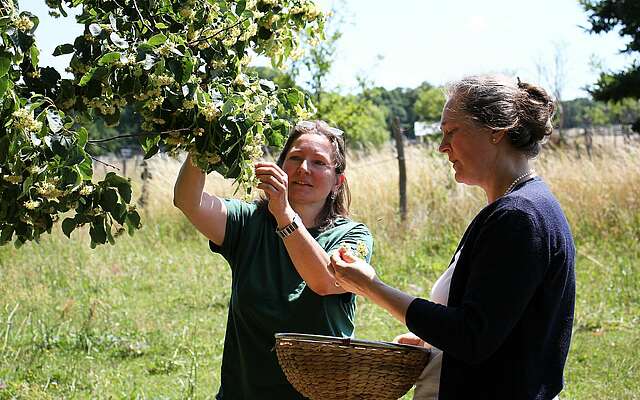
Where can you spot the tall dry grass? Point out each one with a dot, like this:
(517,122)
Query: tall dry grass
(597,193)
(140,318)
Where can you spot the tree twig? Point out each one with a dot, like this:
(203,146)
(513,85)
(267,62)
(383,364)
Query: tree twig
(103,163)
(144,22)
(218,32)
(94,141)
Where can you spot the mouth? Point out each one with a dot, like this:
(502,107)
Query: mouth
(301,183)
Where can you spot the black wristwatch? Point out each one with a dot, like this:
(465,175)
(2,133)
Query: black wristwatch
(290,228)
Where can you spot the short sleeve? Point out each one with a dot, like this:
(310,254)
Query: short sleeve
(358,239)
(238,215)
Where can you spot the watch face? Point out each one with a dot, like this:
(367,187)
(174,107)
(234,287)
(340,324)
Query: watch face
(288,229)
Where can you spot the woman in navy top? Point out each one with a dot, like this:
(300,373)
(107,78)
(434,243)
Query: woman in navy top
(505,326)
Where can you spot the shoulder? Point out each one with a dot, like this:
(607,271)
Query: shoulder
(532,205)
(238,210)
(343,224)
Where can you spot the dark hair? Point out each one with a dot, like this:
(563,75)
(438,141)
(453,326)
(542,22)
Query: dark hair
(337,203)
(524,110)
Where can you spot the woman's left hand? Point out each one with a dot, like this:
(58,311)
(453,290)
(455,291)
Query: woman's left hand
(352,273)
(275,182)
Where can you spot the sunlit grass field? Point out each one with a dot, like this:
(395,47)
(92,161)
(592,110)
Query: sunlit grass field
(146,318)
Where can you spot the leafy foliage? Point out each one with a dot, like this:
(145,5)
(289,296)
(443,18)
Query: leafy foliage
(429,104)
(178,65)
(362,121)
(605,16)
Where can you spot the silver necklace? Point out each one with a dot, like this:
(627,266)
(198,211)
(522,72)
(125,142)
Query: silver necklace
(517,180)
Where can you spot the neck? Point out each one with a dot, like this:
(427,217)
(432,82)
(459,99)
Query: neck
(308,213)
(504,176)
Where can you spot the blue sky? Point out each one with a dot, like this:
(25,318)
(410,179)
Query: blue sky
(405,42)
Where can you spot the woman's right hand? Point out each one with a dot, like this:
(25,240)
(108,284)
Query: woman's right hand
(410,339)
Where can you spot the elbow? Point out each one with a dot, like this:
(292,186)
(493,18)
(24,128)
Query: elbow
(322,289)
(474,353)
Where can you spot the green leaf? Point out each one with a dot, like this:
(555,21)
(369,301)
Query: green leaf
(87,76)
(4,149)
(119,213)
(95,29)
(7,233)
(125,191)
(5,63)
(55,122)
(68,225)
(85,168)
(109,199)
(26,185)
(75,156)
(133,221)
(4,85)
(187,69)
(97,232)
(83,136)
(152,151)
(294,97)
(156,40)
(118,41)
(114,180)
(109,58)
(34,54)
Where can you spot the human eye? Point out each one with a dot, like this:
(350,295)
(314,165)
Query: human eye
(320,163)
(295,158)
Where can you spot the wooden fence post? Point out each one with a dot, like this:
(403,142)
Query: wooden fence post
(402,168)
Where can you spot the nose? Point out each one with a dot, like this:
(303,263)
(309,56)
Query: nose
(304,165)
(444,145)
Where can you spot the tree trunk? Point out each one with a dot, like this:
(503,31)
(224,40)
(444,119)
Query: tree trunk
(401,168)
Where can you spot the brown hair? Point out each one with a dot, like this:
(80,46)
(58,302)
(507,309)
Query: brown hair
(338,202)
(524,110)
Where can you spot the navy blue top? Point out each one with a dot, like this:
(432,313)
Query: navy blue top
(506,330)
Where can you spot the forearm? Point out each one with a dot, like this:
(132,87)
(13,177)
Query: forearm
(309,258)
(187,192)
(391,299)
(311,261)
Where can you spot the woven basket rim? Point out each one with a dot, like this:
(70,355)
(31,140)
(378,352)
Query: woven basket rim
(347,341)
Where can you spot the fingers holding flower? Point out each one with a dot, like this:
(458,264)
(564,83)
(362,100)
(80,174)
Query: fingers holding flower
(352,273)
(274,182)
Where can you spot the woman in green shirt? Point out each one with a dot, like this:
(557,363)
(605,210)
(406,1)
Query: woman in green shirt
(278,250)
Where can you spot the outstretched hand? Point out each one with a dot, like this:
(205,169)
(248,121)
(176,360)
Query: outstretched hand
(352,273)
(411,339)
(275,183)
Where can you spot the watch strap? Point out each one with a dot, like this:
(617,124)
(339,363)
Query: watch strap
(289,228)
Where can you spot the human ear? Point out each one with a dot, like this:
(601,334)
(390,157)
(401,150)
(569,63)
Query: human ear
(340,180)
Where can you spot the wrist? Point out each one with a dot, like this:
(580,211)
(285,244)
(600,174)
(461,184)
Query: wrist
(288,229)
(285,218)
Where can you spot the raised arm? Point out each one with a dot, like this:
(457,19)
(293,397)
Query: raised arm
(206,212)
(309,258)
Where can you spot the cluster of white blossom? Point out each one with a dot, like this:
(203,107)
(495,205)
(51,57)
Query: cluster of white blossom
(86,190)
(31,204)
(24,121)
(23,23)
(309,10)
(15,179)
(211,111)
(48,190)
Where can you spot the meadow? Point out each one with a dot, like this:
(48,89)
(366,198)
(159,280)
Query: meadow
(145,319)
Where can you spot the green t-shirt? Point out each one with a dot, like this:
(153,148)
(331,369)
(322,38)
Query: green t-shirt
(269,296)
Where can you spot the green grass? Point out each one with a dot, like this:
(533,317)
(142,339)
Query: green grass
(146,318)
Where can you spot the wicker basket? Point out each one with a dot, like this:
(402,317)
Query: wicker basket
(328,368)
